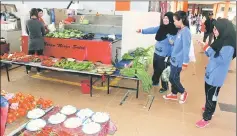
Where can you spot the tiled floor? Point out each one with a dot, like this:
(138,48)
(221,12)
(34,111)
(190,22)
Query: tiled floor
(132,119)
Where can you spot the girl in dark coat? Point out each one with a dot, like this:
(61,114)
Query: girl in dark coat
(36,31)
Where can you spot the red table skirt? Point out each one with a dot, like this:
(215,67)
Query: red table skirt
(91,50)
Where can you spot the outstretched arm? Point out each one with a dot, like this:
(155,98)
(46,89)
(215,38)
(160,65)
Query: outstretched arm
(151,30)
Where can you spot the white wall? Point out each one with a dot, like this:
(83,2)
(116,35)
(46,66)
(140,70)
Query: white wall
(140,6)
(138,20)
(37,4)
(97,5)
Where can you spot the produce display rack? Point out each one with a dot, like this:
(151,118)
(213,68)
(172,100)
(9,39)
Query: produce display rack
(91,75)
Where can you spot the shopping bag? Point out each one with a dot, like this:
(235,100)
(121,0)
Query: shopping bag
(165,74)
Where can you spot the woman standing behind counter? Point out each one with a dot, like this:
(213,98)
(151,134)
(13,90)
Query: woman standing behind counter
(35,29)
(165,34)
(40,15)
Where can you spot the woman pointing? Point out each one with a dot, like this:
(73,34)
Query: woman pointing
(165,34)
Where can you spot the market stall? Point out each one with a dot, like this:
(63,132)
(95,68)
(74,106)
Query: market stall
(93,70)
(92,41)
(19,105)
(133,66)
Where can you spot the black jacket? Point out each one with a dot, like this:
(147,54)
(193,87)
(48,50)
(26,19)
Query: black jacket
(209,25)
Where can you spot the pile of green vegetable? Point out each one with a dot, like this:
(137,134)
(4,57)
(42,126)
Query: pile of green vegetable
(127,56)
(68,33)
(139,52)
(141,60)
(79,66)
(128,72)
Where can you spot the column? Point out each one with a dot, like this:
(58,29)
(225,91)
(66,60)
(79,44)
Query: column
(193,8)
(185,6)
(122,5)
(215,9)
(227,6)
(174,5)
(179,6)
(163,7)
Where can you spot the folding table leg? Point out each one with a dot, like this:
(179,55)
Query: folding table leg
(7,70)
(137,88)
(91,84)
(108,84)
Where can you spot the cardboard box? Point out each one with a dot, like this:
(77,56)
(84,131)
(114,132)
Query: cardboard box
(60,14)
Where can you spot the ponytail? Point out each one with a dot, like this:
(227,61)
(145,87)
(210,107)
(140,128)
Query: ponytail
(181,15)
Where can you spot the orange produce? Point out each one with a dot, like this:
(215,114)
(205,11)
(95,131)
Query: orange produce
(9,120)
(25,103)
(22,112)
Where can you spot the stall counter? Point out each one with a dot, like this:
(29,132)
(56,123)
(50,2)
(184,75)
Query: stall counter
(91,50)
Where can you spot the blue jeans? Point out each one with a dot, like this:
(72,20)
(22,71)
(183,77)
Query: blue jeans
(176,86)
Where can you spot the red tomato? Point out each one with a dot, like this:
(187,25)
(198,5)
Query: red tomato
(63,133)
(17,114)
(9,120)
(22,112)
(19,94)
(11,111)
(13,118)
(10,115)
(33,105)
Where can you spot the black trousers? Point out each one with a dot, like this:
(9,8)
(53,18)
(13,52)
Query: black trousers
(212,93)
(176,86)
(159,65)
(32,52)
(198,28)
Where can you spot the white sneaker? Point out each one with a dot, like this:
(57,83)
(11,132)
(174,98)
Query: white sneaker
(183,98)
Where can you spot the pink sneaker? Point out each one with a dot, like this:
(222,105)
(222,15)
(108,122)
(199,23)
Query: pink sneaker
(170,97)
(202,123)
(203,110)
(183,98)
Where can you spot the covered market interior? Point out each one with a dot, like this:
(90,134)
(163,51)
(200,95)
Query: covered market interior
(96,71)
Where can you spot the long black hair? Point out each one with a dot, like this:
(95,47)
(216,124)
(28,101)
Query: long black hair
(227,36)
(181,15)
(33,12)
(39,10)
(166,29)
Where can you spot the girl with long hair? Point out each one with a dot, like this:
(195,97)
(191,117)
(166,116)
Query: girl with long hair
(179,57)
